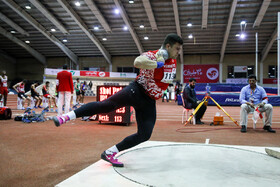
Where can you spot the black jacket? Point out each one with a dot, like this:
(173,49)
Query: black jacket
(189,96)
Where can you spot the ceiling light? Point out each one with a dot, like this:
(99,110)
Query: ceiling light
(27,41)
(104,39)
(77,3)
(65,40)
(28,7)
(146,38)
(242,36)
(130,1)
(96,28)
(237,35)
(125,28)
(53,30)
(142,26)
(117,11)
(190,36)
(189,24)
(242,22)
(13,32)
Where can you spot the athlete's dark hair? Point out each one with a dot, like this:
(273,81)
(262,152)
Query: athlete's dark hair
(65,66)
(252,76)
(192,79)
(172,39)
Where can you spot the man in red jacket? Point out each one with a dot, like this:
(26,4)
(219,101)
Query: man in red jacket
(64,83)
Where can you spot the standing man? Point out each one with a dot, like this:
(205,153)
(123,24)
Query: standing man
(254,97)
(90,85)
(157,71)
(78,90)
(191,101)
(165,95)
(64,83)
(4,87)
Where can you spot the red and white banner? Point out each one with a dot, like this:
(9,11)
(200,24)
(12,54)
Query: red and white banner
(208,73)
(49,71)
(94,73)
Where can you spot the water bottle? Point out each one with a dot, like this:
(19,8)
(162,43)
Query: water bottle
(208,88)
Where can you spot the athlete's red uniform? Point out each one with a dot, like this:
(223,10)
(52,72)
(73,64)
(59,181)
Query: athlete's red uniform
(155,81)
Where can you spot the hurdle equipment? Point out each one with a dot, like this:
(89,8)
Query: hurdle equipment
(205,99)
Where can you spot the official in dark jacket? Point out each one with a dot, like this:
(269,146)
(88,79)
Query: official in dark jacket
(191,101)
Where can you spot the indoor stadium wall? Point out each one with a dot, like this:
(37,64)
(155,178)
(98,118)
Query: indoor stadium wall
(9,66)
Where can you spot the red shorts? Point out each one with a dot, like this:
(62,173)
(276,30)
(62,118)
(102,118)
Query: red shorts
(4,90)
(47,95)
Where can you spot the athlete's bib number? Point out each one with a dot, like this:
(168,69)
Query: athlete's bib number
(169,75)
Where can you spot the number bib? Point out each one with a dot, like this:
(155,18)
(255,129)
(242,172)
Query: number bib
(168,75)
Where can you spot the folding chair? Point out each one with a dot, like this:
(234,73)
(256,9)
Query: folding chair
(255,118)
(189,111)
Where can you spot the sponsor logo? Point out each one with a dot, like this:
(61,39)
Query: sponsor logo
(193,72)
(212,73)
(90,73)
(102,74)
(232,100)
(72,72)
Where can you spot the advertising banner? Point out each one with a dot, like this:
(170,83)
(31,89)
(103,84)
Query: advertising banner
(49,71)
(94,73)
(240,69)
(207,73)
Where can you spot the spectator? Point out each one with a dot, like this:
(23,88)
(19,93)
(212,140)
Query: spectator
(64,89)
(165,95)
(90,85)
(254,97)
(78,90)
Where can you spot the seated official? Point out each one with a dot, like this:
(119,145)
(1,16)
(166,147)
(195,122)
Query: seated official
(251,97)
(191,101)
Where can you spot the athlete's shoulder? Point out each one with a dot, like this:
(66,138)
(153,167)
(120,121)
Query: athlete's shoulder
(150,54)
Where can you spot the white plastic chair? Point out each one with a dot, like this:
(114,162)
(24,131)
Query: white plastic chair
(188,111)
(255,118)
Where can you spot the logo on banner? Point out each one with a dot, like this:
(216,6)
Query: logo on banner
(101,74)
(91,73)
(212,73)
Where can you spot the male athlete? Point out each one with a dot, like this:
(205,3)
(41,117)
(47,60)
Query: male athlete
(157,70)
(4,87)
